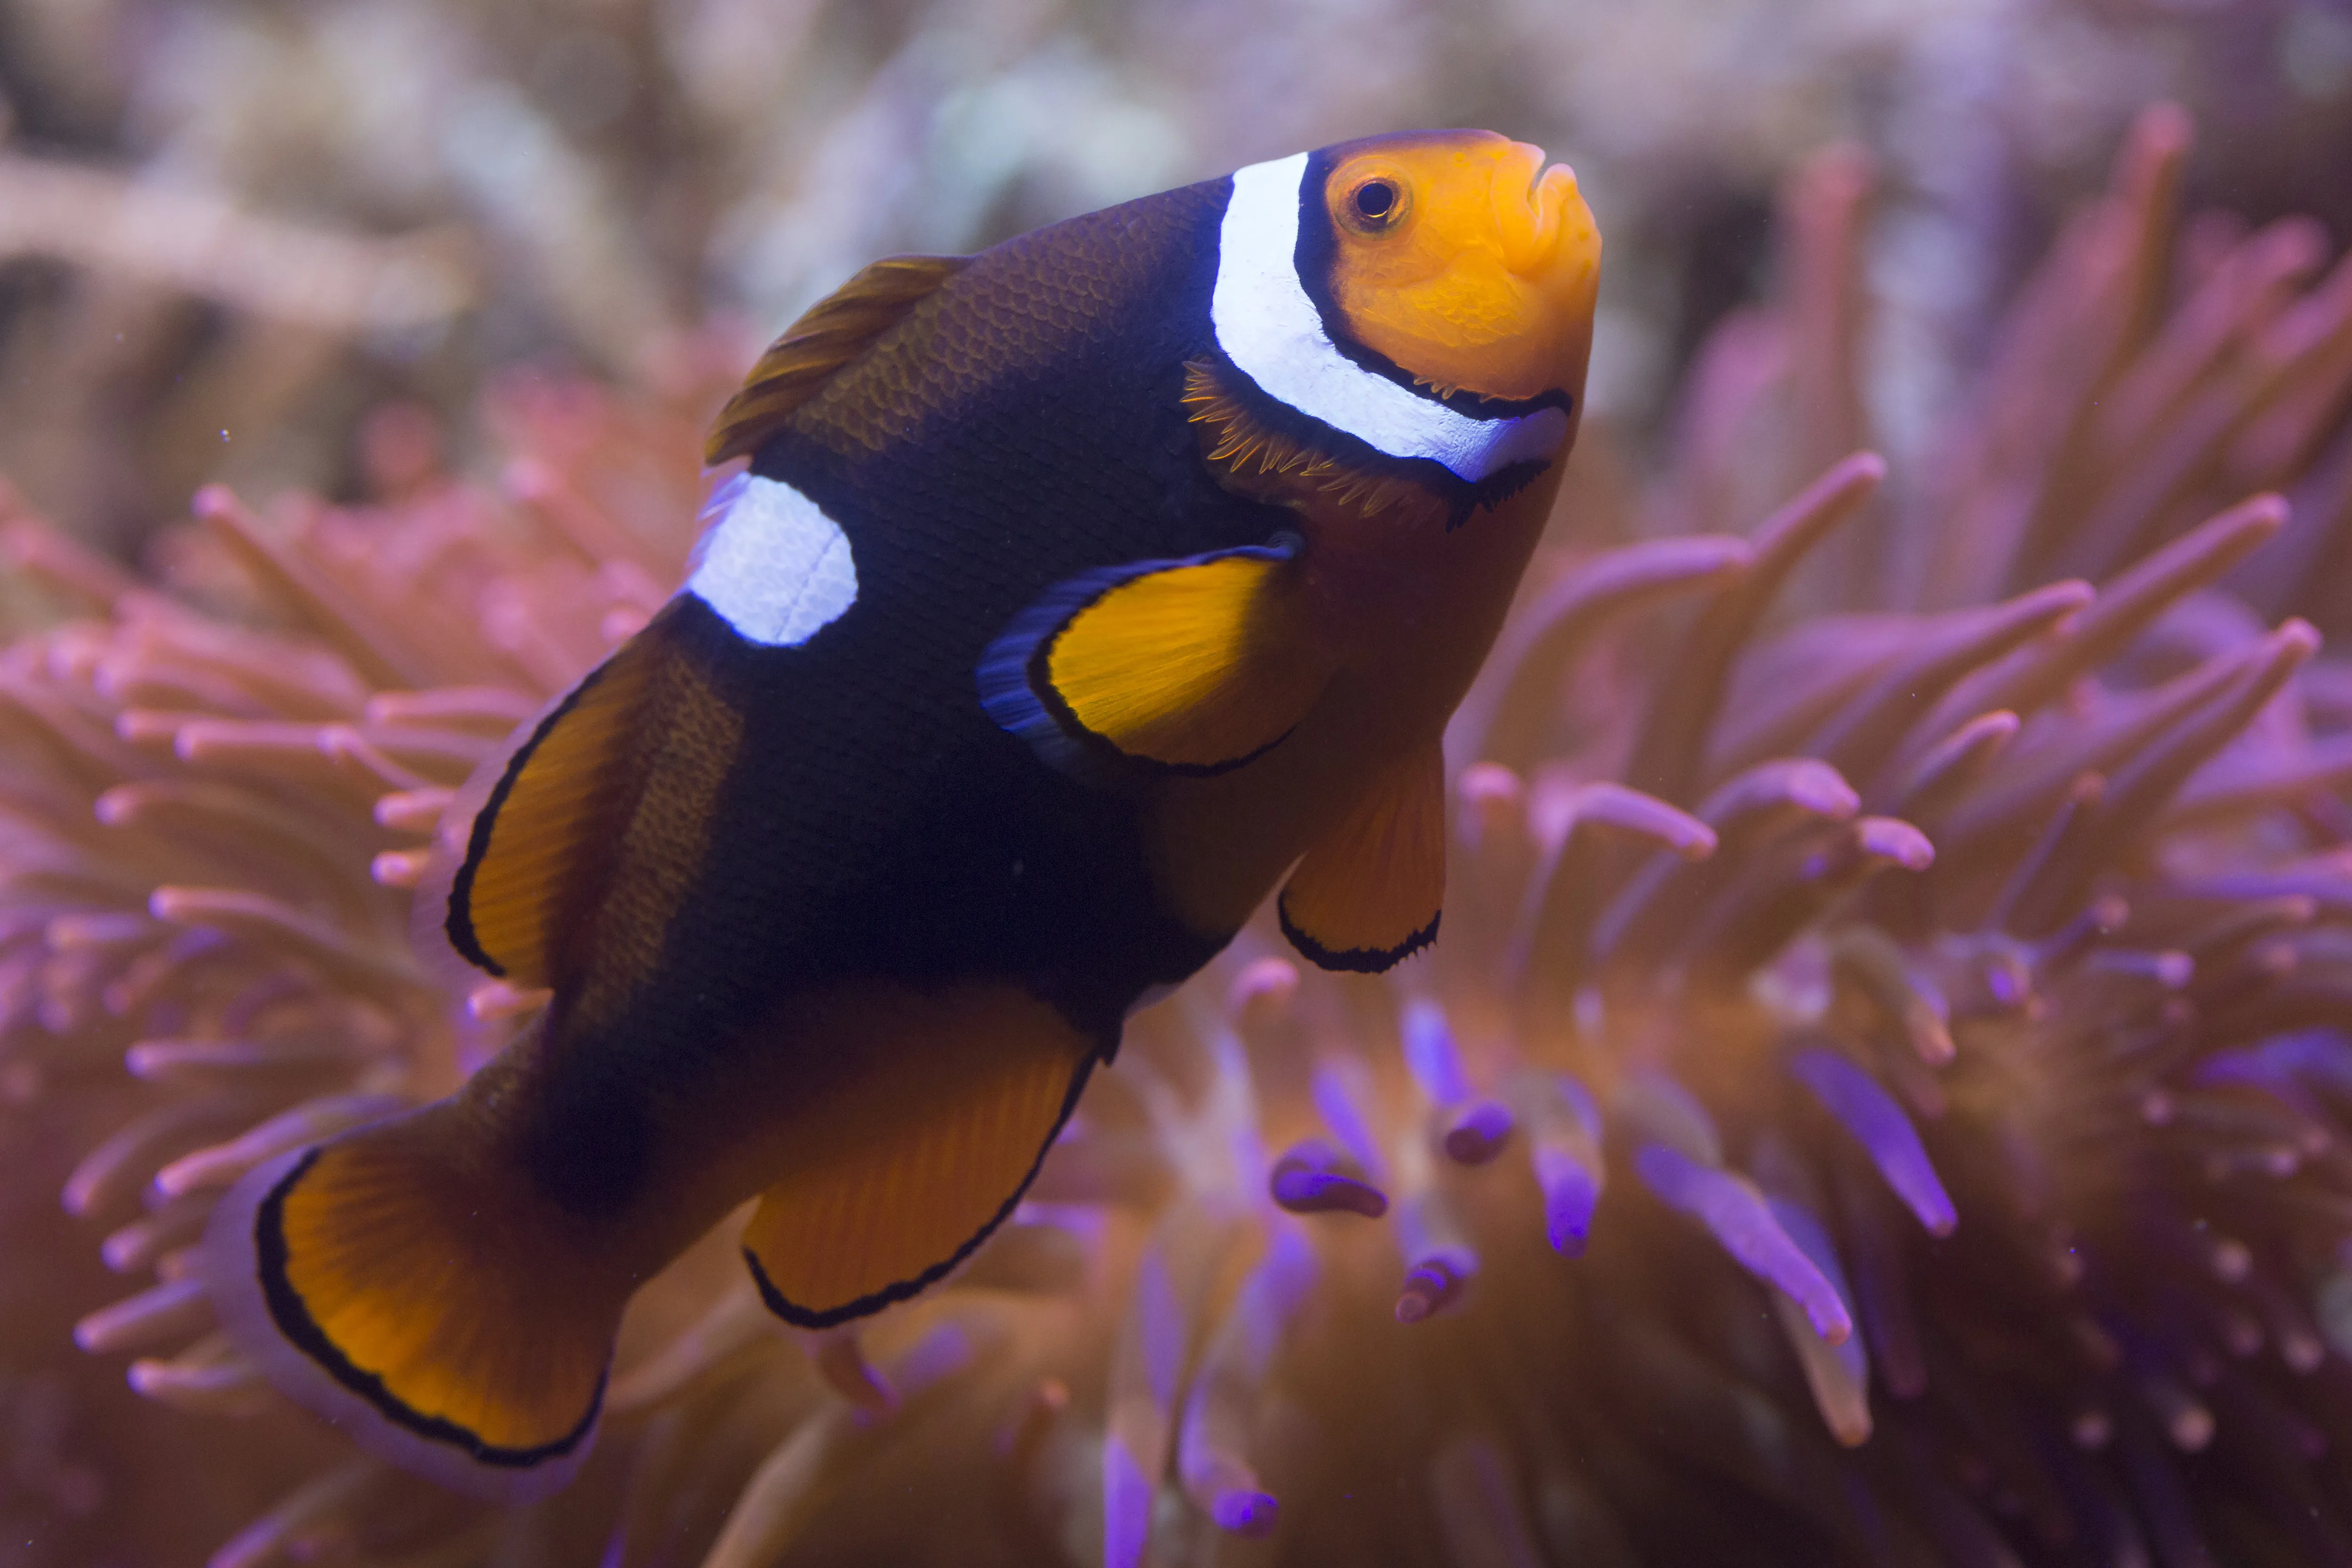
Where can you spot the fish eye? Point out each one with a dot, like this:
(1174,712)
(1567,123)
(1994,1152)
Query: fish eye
(1375,203)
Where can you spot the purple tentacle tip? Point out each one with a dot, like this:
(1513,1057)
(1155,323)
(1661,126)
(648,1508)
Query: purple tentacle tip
(1126,1507)
(1571,1192)
(1249,1513)
(1431,1285)
(1479,1132)
(1743,1225)
(1878,1124)
(1429,1053)
(2006,980)
(1311,1179)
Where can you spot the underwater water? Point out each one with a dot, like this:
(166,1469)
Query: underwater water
(1882,1092)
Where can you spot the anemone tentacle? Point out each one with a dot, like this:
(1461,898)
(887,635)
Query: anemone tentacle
(1882,1094)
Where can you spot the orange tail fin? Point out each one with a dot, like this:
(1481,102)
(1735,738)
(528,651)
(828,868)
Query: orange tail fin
(406,1285)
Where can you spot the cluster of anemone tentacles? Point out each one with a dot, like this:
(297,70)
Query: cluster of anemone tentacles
(1882,1094)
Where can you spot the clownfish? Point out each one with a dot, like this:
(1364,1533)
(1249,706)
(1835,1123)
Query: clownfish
(1072,597)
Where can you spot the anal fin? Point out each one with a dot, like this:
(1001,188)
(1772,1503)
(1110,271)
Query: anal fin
(1367,894)
(893,1173)
(1194,666)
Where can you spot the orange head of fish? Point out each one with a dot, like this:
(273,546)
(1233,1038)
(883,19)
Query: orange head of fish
(1464,259)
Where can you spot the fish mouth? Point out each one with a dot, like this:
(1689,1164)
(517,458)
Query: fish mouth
(1531,203)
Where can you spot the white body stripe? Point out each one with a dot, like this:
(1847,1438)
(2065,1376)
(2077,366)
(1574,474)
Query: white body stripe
(773,564)
(1267,325)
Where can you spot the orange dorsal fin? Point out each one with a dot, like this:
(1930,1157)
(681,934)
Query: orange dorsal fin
(1367,894)
(1195,666)
(832,333)
(892,1174)
(421,1297)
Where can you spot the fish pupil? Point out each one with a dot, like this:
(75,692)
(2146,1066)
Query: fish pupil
(1375,199)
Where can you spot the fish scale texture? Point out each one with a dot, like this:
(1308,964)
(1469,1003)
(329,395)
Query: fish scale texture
(1025,421)
(1021,425)
(1049,302)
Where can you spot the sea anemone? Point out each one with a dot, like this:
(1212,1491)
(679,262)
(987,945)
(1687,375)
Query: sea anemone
(1879,1096)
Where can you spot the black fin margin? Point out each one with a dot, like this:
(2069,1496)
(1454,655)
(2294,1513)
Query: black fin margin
(1017,694)
(293,1319)
(458,925)
(904,1290)
(1355,960)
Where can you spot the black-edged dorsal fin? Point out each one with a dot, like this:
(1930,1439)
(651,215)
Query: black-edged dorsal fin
(832,333)
(562,792)
(613,785)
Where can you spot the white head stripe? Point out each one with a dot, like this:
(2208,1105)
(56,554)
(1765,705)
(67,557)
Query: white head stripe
(773,564)
(1267,325)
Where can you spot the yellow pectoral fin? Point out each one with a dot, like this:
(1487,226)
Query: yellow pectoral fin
(1367,894)
(1195,666)
(894,1175)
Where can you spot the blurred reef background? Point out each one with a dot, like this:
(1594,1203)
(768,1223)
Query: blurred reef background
(229,230)
(446,290)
